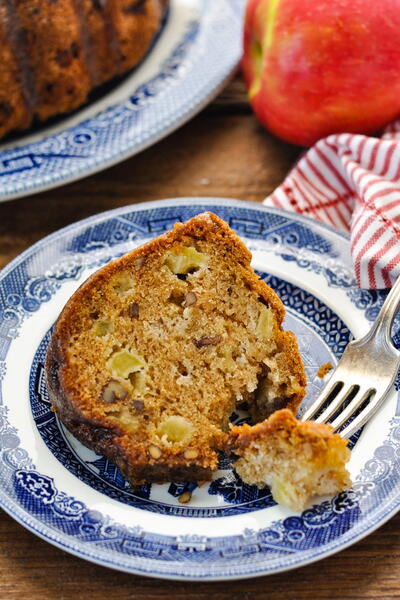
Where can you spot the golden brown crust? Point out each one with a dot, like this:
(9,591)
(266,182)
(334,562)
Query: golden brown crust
(55,53)
(110,437)
(98,35)
(137,21)
(15,111)
(285,422)
(51,40)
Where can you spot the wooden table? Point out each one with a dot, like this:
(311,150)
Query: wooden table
(222,152)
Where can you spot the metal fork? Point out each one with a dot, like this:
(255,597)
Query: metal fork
(364,375)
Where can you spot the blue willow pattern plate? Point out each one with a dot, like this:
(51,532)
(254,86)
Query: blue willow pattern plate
(80,502)
(193,56)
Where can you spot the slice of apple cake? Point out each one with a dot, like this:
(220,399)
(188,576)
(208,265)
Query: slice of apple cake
(152,353)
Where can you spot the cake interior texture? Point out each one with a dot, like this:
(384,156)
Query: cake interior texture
(297,460)
(154,351)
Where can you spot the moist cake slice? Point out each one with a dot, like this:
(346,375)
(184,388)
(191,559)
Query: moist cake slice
(152,353)
(296,460)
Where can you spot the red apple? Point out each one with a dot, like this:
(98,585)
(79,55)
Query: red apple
(315,67)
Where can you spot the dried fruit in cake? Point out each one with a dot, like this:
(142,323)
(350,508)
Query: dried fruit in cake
(296,460)
(152,353)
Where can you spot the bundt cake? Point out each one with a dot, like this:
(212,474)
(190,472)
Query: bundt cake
(54,52)
(296,460)
(152,353)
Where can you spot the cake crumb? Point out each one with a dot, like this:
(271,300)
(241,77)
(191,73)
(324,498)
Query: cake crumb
(185,497)
(324,369)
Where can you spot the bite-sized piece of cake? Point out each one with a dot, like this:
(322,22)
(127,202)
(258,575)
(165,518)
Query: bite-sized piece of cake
(297,460)
(152,353)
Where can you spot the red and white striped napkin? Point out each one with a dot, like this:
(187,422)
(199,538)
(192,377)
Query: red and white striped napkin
(353,183)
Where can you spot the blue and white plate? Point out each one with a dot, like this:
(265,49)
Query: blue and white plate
(194,55)
(80,502)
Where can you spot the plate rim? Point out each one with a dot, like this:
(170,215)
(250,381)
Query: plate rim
(32,522)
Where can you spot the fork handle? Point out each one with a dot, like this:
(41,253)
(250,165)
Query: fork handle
(383,324)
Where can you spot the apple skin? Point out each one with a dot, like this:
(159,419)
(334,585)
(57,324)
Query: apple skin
(316,67)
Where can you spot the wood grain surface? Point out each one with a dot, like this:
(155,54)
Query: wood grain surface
(221,152)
